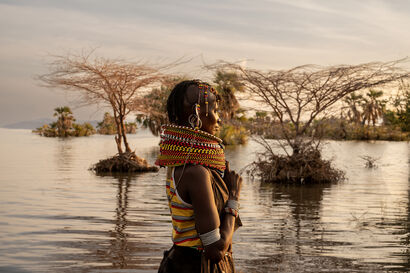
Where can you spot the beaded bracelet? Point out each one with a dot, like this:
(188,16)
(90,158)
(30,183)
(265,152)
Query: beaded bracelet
(231,211)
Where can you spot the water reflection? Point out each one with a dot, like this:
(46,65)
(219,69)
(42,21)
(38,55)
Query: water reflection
(119,246)
(56,216)
(296,233)
(64,154)
(304,203)
(406,239)
(404,222)
(116,241)
(305,200)
(130,246)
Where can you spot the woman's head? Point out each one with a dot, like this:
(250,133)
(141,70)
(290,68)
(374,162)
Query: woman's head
(183,100)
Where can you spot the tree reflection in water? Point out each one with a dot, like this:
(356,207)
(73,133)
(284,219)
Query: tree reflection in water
(301,232)
(305,203)
(119,245)
(298,237)
(63,154)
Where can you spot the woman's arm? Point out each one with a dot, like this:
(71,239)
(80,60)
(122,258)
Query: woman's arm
(199,187)
(234,183)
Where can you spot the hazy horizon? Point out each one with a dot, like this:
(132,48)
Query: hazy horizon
(272,34)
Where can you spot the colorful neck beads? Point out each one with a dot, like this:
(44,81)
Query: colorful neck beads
(183,145)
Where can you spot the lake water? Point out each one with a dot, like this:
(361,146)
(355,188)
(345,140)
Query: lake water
(56,216)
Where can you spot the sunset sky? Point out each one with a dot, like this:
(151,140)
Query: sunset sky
(269,34)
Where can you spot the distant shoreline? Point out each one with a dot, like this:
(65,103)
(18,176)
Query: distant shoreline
(36,123)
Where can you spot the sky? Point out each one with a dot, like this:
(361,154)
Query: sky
(266,34)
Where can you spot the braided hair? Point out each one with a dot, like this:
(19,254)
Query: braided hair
(175,102)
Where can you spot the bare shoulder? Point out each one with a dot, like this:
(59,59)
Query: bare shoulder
(198,183)
(194,177)
(197,171)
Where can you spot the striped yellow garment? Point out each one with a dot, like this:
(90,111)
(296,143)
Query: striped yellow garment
(182,213)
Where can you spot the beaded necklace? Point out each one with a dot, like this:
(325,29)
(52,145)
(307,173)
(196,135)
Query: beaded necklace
(181,145)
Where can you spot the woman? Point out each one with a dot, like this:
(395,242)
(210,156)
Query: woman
(202,191)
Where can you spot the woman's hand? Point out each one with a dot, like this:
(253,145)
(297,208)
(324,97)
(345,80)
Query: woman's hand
(233,181)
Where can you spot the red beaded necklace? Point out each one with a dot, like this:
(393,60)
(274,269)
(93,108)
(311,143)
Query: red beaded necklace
(180,145)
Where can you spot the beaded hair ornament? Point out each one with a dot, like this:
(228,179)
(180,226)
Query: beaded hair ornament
(203,88)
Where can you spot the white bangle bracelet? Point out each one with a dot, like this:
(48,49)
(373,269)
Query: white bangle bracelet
(210,237)
(233,204)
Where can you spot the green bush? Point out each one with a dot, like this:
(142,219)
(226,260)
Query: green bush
(108,127)
(233,134)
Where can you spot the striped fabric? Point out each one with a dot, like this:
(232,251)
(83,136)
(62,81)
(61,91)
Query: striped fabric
(182,213)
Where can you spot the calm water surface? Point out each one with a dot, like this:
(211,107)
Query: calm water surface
(56,216)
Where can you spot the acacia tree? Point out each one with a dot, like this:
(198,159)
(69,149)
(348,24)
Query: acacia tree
(104,81)
(302,94)
(299,96)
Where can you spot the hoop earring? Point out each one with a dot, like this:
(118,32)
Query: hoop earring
(195,122)
(193,119)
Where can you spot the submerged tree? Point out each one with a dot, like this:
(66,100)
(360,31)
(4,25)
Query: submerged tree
(299,96)
(104,81)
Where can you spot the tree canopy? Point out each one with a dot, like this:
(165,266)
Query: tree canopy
(98,80)
(299,95)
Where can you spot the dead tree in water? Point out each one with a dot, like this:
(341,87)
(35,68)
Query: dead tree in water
(98,80)
(299,96)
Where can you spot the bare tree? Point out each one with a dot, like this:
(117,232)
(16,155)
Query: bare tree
(299,96)
(302,94)
(98,80)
